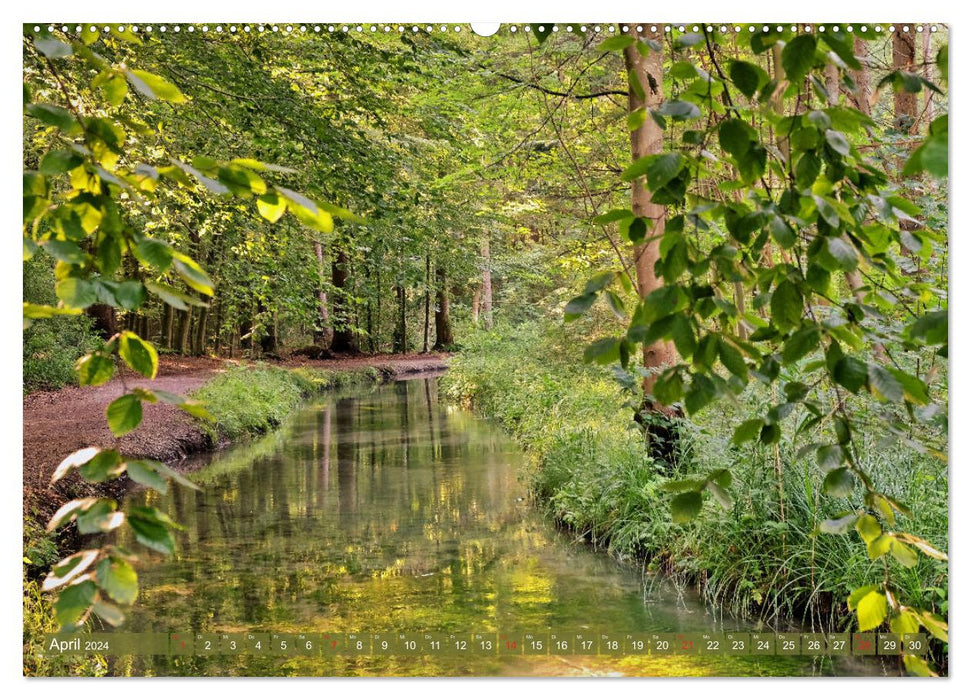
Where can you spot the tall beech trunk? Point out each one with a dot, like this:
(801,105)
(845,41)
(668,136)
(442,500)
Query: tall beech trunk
(485,299)
(443,321)
(861,76)
(201,337)
(904,103)
(928,75)
(185,324)
(648,140)
(104,319)
(428,299)
(343,338)
(165,330)
(323,332)
(658,421)
(476,303)
(400,328)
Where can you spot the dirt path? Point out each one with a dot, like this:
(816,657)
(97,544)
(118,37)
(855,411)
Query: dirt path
(57,423)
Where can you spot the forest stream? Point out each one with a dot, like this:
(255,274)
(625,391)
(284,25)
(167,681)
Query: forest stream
(388,510)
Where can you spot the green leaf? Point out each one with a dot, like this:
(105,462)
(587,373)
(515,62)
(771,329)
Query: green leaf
(69,568)
(931,328)
(100,516)
(839,483)
(109,613)
(151,528)
(616,43)
(172,296)
(843,252)
(850,373)
(800,344)
(117,577)
(798,56)
(883,385)
(271,206)
(155,253)
(75,292)
(154,86)
(636,119)
(871,610)
(53,48)
(101,467)
(130,294)
(660,169)
(839,525)
(906,556)
(124,414)
(55,116)
(73,604)
(837,141)
(747,431)
(69,510)
(720,494)
(732,359)
(613,215)
(138,354)
(59,161)
(917,666)
(143,472)
(578,306)
(679,110)
(685,507)
(746,76)
(786,305)
(869,528)
(192,274)
(65,251)
(736,137)
(701,393)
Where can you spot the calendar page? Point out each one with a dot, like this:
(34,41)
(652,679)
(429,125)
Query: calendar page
(599,348)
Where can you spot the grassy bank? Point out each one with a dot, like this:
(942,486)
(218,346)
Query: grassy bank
(592,473)
(249,401)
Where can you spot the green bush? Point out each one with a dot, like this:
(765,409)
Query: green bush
(53,345)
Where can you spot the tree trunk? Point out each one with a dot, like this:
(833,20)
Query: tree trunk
(104,319)
(660,431)
(485,298)
(476,303)
(165,331)
(343,338)
(200,342)
(862,76)
(401,329)
(648,140)
(443,321)
(185,323)
(323,333)
(428,291)
(904,103)
(928,75)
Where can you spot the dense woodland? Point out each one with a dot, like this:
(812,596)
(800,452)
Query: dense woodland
(700,214)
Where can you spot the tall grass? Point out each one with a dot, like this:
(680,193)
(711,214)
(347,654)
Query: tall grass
(590,470)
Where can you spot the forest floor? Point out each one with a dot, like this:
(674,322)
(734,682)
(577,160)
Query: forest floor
(57,423)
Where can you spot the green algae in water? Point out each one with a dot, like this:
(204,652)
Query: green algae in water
(388,510)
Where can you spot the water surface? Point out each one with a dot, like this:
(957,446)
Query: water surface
(389,510)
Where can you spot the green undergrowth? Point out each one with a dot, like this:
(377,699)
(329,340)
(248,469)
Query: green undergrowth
(590,470)
(252,400)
